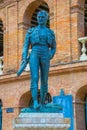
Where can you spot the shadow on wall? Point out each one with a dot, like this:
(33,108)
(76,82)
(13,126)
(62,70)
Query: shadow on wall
(25,99)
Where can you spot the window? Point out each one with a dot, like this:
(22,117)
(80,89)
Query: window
(44,6)
(85,18)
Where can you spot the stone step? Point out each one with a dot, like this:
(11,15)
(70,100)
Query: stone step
(29,121)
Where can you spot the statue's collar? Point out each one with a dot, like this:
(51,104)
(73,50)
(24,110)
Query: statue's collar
(39,27)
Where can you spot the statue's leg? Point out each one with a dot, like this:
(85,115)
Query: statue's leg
(34,70)
(44,68)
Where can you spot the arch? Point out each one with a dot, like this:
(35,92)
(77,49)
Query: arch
(1,38)
(47,99)
(33,20)
(24,21)
(85,18)
(80,107)
(0,114)
(30,6)
(30,15)
(25,99)
(81,92)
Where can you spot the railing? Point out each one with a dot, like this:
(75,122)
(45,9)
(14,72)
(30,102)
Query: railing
(1,65)
(83,41)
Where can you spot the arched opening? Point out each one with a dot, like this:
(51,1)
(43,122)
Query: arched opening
(30,15)
(0,115)
(25,100)
(43,6)
(1,47)
(85,18)
(81,108)
(47,99)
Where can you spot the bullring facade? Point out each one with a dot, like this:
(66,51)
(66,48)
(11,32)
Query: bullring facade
(68,19)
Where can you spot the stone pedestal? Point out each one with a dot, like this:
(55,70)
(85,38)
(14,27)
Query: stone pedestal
(41,121)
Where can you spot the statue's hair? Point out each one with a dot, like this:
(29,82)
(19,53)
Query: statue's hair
(43,11)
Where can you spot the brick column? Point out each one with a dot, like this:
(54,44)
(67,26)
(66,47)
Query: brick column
(22,28)
(79,116)
(11,38)
(63,31)
(77,29)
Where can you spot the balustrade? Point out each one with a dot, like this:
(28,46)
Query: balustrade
(1,65)
(83,55)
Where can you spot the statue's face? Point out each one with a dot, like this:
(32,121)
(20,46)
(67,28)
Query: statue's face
(42,18)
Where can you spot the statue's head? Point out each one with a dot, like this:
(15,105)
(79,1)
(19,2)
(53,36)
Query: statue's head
(42,17)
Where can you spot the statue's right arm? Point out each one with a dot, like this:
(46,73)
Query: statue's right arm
(26,46)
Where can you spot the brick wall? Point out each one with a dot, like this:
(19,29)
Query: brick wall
(15,91)
(67,21)
(66,18)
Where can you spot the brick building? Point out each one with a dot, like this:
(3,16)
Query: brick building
(68,19)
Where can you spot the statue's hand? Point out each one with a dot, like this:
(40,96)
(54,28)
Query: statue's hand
(22,66)
(51,53)
(50,56)
(23,61)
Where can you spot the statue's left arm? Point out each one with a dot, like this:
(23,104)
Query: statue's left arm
(53,45)
(24,54)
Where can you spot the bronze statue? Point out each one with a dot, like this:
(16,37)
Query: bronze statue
(42,40)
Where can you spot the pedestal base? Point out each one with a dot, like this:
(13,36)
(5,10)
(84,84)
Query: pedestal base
(41,121)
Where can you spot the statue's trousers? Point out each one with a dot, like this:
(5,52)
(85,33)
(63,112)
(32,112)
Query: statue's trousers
(39,60)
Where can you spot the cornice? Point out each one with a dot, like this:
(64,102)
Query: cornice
(55,70)
(73,67)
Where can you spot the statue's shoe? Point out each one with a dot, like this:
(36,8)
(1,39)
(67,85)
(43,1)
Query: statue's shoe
(36,105)
(42,106)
